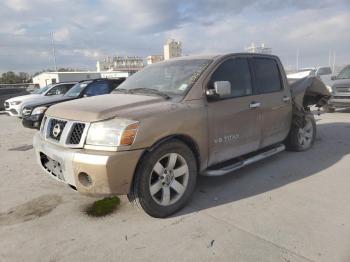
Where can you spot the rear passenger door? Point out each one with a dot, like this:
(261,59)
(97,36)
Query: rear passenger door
(274,98)
(233,125)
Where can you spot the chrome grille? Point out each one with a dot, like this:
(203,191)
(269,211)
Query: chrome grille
(76,134)
(56,128)
(343,89)
(71,134)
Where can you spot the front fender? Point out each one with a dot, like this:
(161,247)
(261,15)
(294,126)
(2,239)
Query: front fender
(309,91)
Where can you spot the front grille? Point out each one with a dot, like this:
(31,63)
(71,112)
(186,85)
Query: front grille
(341,97)
(56,128)
(66,133)
(343,89)
(7,105)
(26,111)
(76,134)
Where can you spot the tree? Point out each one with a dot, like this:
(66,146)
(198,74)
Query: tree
(12,78)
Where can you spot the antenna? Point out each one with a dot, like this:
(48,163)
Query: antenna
(53,51)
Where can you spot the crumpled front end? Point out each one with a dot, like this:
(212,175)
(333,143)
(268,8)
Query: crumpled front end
(310,91)
(307,92)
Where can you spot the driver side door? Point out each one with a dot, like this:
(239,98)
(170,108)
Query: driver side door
(233,122)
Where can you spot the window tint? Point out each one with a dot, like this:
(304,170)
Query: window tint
(267,76)
(237,72)
(97,88)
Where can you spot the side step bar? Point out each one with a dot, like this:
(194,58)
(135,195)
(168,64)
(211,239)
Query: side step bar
(229,168)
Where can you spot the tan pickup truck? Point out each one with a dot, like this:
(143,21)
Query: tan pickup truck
(174,120)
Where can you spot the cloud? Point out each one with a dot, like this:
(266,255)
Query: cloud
(87,30)
(62,34)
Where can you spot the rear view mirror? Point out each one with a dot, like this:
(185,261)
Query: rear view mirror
(222,88)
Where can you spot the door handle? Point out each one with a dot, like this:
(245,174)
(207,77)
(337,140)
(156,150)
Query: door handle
(286,99)
(253,105)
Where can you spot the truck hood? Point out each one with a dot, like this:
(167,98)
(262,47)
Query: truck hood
(102,107)
(23,98)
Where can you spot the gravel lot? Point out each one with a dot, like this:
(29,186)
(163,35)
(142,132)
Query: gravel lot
(291,207)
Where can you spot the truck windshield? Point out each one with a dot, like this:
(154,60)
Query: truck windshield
(169,78)
(344,74)
(76,90)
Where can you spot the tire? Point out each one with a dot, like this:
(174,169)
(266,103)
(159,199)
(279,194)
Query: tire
(160,187)
(302,139)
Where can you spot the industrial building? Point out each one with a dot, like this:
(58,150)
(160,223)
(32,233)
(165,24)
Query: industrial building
(48,78)
(154,59)
(130,64)
(262,49)
(172,49)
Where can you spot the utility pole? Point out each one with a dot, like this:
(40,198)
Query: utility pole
(53,51)
(333,62)
(297,59)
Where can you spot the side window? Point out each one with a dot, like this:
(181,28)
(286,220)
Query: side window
(62,89)
(267,75)
(97,88)
(54,91)
(237,72)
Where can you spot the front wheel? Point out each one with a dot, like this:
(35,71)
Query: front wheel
(165,179)
(302,138)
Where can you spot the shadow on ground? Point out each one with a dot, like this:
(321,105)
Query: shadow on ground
(331,145)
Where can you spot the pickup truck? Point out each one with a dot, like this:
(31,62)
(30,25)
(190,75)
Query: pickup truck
(340,91)
(174,120)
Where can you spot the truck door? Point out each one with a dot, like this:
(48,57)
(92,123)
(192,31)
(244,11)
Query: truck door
(274,98)
(233,122)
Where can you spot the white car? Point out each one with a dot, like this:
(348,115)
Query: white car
(14,106)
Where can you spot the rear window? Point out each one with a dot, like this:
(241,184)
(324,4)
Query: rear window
(267,75)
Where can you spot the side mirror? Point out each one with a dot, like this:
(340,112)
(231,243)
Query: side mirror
(221,89)
(333,77)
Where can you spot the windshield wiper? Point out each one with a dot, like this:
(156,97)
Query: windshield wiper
(149,91)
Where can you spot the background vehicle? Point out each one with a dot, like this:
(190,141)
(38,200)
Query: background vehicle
(340,91)
(207,115)
(6,92)
(33,112)
(323,72)
(15,105)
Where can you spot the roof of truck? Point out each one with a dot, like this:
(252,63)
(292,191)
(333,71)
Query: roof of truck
(216,56)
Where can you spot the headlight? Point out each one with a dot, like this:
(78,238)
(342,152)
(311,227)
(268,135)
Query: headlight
(14,103)
(114,132)
(329,88)
(39,110)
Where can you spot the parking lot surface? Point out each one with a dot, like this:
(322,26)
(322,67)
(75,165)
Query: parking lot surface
(290,207)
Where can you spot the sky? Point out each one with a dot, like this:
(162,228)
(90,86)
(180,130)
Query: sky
(87,30)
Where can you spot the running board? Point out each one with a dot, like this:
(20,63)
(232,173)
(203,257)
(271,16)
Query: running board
(230,168)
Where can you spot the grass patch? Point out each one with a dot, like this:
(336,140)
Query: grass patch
(103,207)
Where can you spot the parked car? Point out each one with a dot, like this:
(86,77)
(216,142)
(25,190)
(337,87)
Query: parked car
(340,91)
(14,106)
(207,115)
(33,113)
(6,92)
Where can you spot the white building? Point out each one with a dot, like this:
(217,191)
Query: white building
(172,49)
(130,64)
(48,78)
(262,49)
(154,59)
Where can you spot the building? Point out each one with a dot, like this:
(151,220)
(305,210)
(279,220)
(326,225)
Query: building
(154,59)
(130,64)
(48,78)
(172,49)
(262,49)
